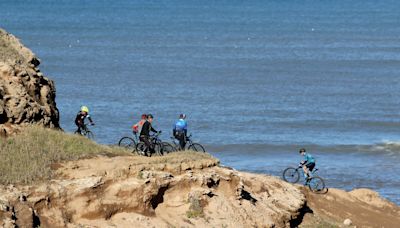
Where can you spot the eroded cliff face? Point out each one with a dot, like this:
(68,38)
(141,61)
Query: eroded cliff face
(120,192)
(133,191)
(27,97)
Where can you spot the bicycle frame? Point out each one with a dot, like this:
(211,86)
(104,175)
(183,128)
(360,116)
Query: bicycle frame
(85,129)
(302,171)
(189,141)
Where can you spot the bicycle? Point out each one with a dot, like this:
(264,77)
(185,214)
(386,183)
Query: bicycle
(189,143)
(129,142)
(314,183)
(85,132)
(159,146)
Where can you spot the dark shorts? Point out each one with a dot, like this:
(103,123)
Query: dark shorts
(310,166)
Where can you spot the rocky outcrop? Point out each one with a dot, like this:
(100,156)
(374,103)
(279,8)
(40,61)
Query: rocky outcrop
(131,191)
(27,97)
(111,192)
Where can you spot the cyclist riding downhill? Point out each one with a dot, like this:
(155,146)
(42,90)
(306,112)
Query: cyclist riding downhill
(80,119)
(180,131)
(145,134)
(137,128)
(307,164)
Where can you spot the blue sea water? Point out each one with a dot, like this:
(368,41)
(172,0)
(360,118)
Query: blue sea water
(257,79)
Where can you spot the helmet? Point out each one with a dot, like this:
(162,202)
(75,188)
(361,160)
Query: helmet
(182,116)
(302,150)
(85,109)
(150,116)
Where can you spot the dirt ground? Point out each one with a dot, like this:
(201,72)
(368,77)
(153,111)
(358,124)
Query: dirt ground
(362,206)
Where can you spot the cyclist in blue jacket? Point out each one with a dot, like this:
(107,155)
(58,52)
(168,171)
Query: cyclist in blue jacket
(180,130)
(308,163)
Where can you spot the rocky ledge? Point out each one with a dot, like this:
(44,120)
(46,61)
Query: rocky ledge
(27,97)
(130,191)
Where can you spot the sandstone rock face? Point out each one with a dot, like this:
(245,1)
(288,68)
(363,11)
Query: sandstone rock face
(122,192)
(111,192)
(27,97)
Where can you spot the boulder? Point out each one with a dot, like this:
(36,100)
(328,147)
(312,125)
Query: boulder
(27,97)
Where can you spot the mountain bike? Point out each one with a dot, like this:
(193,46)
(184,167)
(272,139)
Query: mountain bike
(314,183)
(129,142)
(189,144)
(159,147)
(85,132)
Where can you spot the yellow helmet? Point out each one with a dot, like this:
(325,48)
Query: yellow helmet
(85,109)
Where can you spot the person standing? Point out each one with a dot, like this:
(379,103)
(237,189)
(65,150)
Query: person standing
(145,134)
(180,131)
(137,128)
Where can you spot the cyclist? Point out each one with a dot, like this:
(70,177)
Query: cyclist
(80,119)
(308,163)
(145,134)
(180,131)
(137,128)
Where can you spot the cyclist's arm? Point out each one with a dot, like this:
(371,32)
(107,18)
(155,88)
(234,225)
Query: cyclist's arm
(185,128)
(153,130)
(90,119)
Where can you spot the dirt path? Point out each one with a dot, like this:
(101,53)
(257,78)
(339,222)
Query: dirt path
(362,206)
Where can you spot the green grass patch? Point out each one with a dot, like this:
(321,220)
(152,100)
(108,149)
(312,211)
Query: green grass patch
(27,157)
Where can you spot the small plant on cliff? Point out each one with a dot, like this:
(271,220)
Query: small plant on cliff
(196,207)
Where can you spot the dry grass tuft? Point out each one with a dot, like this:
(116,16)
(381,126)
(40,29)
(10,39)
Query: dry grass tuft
(27,157)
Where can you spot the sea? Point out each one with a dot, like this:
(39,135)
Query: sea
(258,79)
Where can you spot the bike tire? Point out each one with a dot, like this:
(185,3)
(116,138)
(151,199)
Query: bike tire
(167,148)
(140,149)
(89,135)
(158,149)
(197,147)
(127,142)
(316,184)
(291,175)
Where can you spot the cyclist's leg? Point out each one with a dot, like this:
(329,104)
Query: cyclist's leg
(182,142)
(142,138)
(305,169)
(79,130)
(148,145)
(310,168)
(177,138)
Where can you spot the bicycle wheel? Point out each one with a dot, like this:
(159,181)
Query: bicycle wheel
(291,175)
(141,149)
(197,147)
(316,184)
(167,148)
(128,143)
(89,135)
(158,149)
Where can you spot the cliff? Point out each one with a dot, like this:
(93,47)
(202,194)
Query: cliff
(184,189)
(179,190)
(27,97)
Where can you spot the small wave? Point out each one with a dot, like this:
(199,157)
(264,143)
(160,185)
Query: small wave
(384,147)
(388,146)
